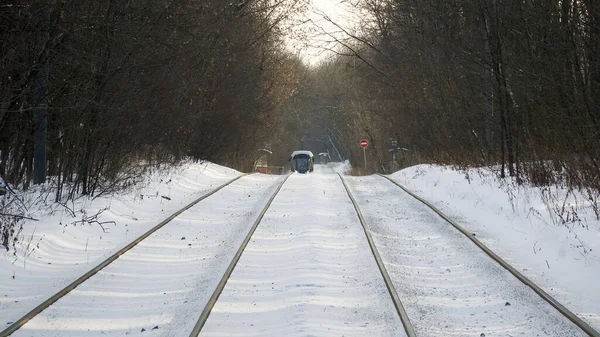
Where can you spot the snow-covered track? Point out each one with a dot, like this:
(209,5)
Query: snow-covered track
(408,327)
(217,292)
(307,271)
(35,311)
(538,290)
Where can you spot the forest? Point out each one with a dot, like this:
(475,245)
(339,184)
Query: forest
(513,85)
(94,93)
(113,87)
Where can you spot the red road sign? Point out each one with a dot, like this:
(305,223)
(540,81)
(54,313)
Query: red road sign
(364,143)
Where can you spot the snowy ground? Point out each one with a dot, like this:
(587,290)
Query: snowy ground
(448,286)
(161,284)
(515,222)
(56,250)
(308,270)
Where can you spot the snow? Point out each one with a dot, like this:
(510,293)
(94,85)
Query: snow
(342,168)
(308,153)
(308,271)
(165,279)
(448,286)
(516,223)
(54,251)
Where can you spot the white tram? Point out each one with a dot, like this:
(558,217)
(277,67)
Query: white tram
(302,161)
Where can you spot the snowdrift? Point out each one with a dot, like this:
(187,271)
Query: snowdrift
(69,240)
(549,235)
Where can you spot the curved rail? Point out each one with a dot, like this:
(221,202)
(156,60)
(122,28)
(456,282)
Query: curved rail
(408,327)
(471,236)
(19,323)
(219,289)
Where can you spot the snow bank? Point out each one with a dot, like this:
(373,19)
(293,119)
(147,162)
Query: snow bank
(69,240)
(340,167)
(551,237)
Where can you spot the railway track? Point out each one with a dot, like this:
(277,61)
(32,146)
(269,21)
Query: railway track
(94,271)
(299,256)
(205,314)
(389,278)
(566,313)
(538,290)
(217,292)
(408,327)
(400,309)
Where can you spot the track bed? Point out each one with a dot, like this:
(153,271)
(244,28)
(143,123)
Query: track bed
(448,286)
(308,271)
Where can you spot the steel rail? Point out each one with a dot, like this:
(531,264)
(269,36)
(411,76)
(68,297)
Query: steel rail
(408,327)
(23,320)
(471,236)
(221,285)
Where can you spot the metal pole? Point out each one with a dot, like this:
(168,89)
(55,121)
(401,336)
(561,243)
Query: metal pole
(365,156)
(40,103)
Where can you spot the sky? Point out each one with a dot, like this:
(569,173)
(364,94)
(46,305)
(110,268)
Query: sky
(311,39)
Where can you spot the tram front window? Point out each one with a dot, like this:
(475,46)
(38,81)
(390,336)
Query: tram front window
(301,163)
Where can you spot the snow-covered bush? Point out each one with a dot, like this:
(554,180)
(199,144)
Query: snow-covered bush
(12,214)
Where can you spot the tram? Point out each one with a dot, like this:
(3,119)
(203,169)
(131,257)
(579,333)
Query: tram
(302,161)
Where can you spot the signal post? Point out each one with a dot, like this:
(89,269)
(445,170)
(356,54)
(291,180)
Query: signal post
(364,143)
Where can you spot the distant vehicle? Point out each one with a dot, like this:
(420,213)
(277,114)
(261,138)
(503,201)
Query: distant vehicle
(302,161)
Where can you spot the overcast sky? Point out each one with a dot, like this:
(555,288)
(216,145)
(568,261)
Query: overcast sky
(310,39)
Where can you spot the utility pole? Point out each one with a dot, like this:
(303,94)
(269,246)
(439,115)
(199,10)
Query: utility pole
(40,103)
(394,149)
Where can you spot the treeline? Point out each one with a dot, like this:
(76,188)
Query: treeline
(310,117)
(120,85)
(514,84)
